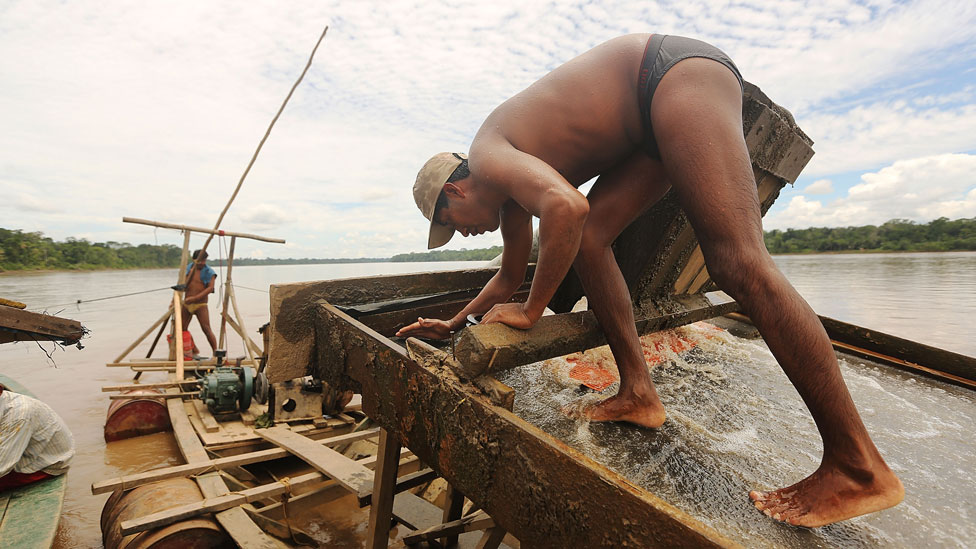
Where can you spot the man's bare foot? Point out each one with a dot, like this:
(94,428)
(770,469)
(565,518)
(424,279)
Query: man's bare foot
(646,412)
(830,495)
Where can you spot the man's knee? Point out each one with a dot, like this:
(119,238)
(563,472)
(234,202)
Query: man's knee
(737,269)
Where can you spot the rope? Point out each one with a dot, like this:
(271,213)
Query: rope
(236,285)
(80,301)
(263,139)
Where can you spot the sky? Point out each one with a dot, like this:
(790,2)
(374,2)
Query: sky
(153,109)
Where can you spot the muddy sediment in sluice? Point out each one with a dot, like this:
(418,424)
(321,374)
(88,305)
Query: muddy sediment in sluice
(735,424)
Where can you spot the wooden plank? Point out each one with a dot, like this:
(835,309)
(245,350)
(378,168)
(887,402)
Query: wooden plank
(169,395)
(452,513)
(137,386)
(41,325)
(178,338)
(381,509)
(209,423)
(492,539)
(356,478)
(131,481)
(293,309)
(217,503)
(508,467)
(494,347)
(450,530)
(235,521)
(329,490)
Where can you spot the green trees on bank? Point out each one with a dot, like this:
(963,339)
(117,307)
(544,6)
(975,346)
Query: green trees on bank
(897,235)
(483,254)
(30,251)
(27,251)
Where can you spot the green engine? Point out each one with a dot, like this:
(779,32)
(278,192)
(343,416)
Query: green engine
(228,389)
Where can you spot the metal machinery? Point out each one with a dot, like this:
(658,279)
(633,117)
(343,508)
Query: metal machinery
(228,389)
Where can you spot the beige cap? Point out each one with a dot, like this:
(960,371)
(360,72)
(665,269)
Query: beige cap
(430,181)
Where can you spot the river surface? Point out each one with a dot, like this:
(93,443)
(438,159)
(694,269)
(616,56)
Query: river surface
(923,427)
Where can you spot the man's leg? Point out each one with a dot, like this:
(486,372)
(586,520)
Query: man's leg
(616,199)
(203,316)
(697,119)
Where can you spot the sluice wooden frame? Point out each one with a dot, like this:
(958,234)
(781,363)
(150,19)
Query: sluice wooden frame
(534,486)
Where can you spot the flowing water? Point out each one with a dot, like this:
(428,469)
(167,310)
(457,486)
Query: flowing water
(735,422)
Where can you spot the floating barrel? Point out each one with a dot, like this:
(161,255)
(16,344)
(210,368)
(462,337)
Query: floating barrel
(196,533)
(142,414)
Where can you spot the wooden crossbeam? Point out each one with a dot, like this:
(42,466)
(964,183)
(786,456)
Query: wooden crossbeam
(200,230)
(493,347)
(354,477)
(471,523)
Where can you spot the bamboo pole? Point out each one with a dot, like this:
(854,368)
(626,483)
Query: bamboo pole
(178,314)
(162,320)
(247,340)
(240,323)
(200,230)
(180,280)
(227,285)
(265,138)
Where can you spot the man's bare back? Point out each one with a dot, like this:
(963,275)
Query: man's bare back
(582,118)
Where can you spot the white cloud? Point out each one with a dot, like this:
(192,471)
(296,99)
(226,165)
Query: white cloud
(820,186)
(153,110)
(920,189)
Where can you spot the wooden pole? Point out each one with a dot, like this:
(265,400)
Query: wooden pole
(178,314)
(265,138)
(200,230)
(240,322)
(384,486)
(227,285)
(180,279)
(162,320)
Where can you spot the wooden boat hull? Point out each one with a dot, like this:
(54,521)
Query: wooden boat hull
(29,515)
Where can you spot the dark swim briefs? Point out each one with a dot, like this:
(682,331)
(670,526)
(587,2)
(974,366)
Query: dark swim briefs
(661,53)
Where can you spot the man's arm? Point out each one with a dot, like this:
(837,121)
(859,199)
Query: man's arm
(209,289)
(516,228)
(561,210)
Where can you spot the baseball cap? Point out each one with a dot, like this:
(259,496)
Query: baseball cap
(430,181)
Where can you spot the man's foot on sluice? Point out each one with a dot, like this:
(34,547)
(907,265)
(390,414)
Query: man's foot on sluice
(639,411)
(829,495)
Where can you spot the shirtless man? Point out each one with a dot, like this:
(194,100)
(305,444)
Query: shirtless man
(593,117)
(199,284)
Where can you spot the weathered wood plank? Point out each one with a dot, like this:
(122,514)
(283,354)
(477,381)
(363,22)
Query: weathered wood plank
(131,481)
(540,490)
(356,478)
(470,523)
(381,508)
(37,325)
(494,347)
(293,310)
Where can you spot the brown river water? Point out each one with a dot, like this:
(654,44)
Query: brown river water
(736,423)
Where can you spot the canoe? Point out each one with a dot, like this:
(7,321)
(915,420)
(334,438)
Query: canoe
(29,515)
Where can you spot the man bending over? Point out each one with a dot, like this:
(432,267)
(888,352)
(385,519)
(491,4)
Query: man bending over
(646,113)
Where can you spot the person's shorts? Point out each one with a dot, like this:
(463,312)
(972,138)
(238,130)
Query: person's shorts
(661,53)
(194,307)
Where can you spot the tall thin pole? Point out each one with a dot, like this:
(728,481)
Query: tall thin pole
(265,138)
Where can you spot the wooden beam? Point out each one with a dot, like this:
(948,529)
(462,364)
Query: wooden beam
(200,230)
(354,477)
(131,481)
(162,320)
(235,521)
(381,508)
(41,325)
(470,523)
(494,347)
(542,491)
(217,503)
(291,351)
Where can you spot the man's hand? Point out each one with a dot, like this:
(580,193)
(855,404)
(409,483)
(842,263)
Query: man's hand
(511,314)
(430,328)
